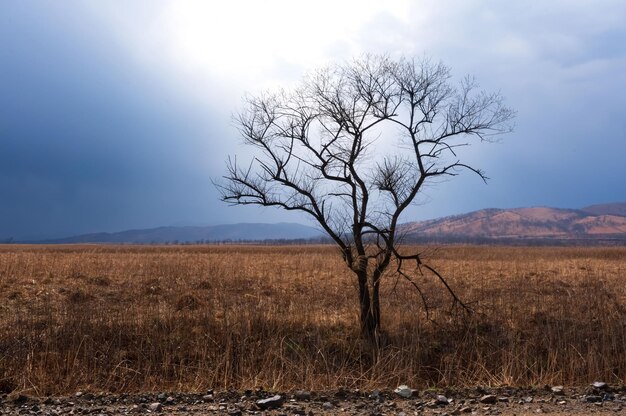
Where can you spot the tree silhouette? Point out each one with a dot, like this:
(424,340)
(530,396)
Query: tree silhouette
(352,146)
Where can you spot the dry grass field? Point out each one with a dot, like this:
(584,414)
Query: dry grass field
(140,318)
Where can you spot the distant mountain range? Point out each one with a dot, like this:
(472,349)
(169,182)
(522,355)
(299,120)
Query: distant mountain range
(195,234)
(596,224)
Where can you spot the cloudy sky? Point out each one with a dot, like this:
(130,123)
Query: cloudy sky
(117,114)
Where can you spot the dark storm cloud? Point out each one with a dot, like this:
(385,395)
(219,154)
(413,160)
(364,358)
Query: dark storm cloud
(88,140)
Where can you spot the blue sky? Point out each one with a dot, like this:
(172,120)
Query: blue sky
(116,115)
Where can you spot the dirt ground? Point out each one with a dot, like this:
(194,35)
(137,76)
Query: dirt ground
(479,401)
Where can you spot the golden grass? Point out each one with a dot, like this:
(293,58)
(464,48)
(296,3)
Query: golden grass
(122,318)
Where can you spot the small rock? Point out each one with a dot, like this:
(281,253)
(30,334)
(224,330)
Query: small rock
(328,406)
(161,396)
(20,399)
(592,398)
(405,391)
(488,399)
(170,400)
(302,395)
(271,402)
(561,402)
(207,397)
(441,400)
(375,394)
(557,390)
(528,399)
(600,385)
(341,394)
(234,412)
(155,407)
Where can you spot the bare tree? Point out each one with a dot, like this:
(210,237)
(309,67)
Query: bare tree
(353,146)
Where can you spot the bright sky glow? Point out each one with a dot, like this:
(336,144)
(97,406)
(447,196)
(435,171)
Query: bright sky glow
(250,38)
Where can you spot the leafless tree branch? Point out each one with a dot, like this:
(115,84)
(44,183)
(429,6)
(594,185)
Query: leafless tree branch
(353,146)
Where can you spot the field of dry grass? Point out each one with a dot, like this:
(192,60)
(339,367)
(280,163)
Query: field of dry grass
(120,318)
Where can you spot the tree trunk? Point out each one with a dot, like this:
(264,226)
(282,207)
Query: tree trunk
(370,308)
(376,303)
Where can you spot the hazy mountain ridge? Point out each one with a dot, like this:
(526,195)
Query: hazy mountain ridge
(618,209)
(194,234)
(594,222)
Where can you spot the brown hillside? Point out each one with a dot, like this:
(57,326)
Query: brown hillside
(526,223)
(618,208)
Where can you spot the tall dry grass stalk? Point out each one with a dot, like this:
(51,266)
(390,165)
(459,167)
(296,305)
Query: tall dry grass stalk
(112,318)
